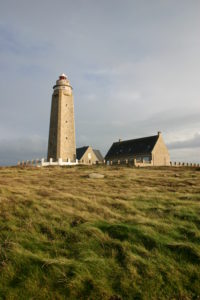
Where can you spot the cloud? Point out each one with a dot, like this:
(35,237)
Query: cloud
(12,151)
(191,143)
(13,42)
(185,155)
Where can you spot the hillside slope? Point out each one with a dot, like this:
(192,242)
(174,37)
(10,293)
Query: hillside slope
(133,235)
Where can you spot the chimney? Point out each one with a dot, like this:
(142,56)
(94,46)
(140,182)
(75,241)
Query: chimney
(159,133)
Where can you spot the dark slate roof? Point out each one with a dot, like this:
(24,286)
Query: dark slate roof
(80,152)
(98,155)
(132,147)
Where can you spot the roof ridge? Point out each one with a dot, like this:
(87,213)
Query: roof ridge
(146,137)
(82,147)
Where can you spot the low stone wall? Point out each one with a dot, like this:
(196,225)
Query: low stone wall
(33,163)
(134,163)
(130,162)
(44,163)
(183,164)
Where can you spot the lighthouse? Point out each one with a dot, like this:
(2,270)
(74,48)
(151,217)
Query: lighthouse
(61,143)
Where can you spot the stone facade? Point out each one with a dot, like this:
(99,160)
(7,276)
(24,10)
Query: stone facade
(86,155)
(62,128)
(160,154)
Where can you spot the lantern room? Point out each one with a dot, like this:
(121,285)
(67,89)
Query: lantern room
(62,77)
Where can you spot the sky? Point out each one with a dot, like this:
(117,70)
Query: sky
(134,66)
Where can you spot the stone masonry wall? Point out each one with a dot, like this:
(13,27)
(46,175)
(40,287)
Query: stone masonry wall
(160,154)
(67,127)
(86,160)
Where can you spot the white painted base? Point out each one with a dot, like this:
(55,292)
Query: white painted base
(58,163)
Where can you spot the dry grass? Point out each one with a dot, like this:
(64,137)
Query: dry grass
(134,234)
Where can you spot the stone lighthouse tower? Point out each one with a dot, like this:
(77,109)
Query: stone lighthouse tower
(62,129)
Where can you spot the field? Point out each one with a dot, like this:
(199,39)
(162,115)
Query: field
(134,234)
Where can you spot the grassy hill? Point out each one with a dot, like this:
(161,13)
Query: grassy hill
(133,235)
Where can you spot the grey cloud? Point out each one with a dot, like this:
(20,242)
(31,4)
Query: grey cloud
(172,121)
(185,155)
(187,144)
(12,151)
(13,42)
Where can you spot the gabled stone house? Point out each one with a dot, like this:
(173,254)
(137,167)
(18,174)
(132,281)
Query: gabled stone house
(143,151)
(86,155)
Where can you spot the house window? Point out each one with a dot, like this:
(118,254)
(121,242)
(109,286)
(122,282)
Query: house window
(138,158)
(146,159)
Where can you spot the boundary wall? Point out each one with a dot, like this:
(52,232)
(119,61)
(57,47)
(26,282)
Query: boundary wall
(44,163)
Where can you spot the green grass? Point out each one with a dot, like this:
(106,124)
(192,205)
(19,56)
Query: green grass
(133,235)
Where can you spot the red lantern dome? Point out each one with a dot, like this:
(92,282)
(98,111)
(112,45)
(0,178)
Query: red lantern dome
(62,77)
